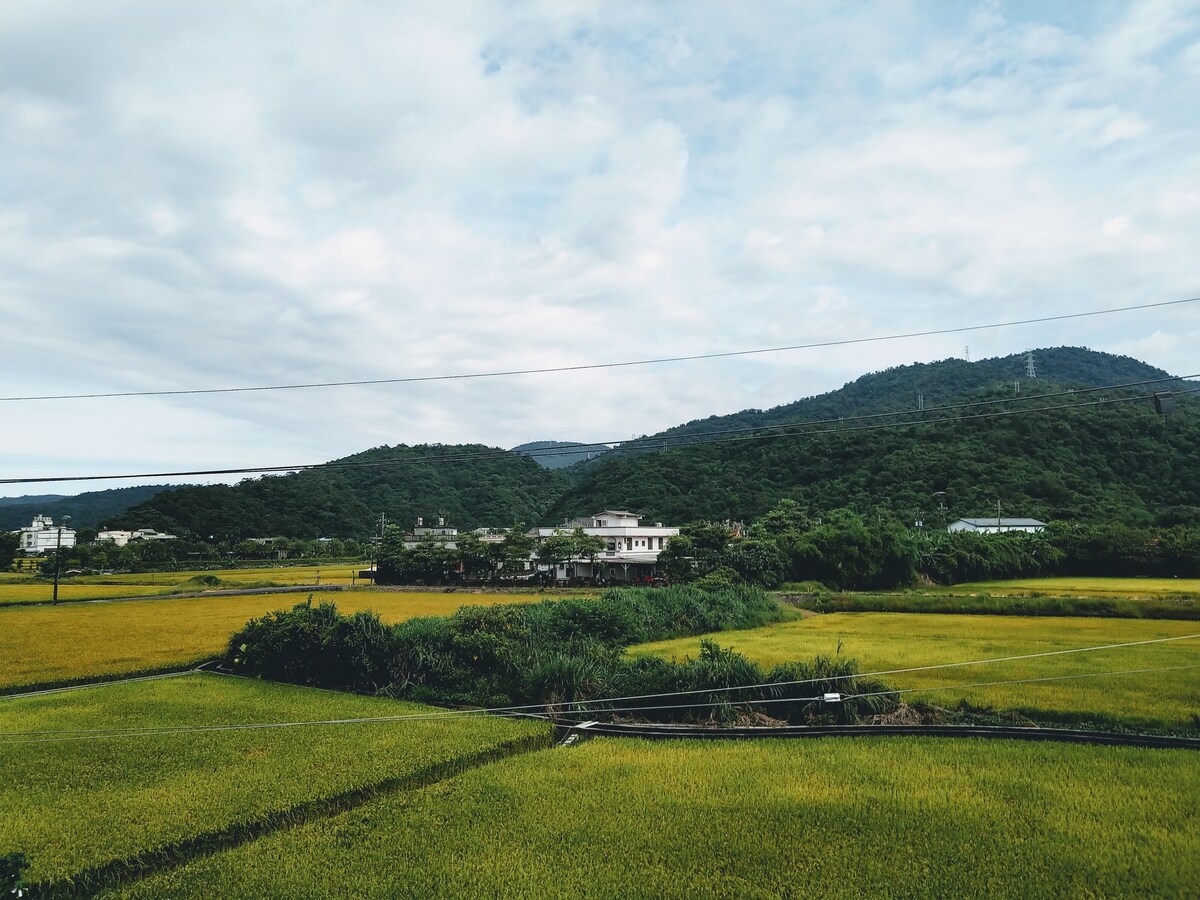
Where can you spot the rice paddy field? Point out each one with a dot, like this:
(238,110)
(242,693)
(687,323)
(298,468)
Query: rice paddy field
(58,644)
(834,818)
(1149,588)
(23,588)
(886,641)
(77,805)
(40,592)
(337,573)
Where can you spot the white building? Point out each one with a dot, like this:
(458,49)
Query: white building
(441,533)
(631,548)
(121,538)
(996,524)
(43,535)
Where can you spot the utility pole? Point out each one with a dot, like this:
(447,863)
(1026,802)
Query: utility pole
(920,401)
(58,559)
(997,516)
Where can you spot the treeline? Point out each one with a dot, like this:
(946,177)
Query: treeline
(474,558)
(470,484)
(844,550)
(143,555)
(560,653)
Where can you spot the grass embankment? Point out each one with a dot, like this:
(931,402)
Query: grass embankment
(834,818)
(58,644)
(884,641)
(82,804)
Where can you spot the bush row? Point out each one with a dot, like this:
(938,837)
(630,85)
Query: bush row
(555,652)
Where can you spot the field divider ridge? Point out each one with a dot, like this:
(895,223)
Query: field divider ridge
(168,856)
(993,732)
(16,691)
(185,595)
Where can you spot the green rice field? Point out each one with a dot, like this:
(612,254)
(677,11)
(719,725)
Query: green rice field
(886,641)
(57,644)
(79,804)
(834,818)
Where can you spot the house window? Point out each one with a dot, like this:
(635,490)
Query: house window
(628,543)
(660,543)
(612,545)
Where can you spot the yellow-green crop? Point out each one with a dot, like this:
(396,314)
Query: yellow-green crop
(77,804)
(861,817)
(1083,587)
(885,641)
(48,644)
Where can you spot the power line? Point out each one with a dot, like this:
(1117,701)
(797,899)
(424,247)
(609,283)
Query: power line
(665,442)
(5,737)
(415,379)
(48,737)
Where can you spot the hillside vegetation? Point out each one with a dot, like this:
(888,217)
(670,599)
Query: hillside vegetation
(491,487)
(1118,463)
(1098,463)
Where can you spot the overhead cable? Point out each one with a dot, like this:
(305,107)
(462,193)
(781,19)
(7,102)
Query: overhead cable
(664,443)
(7,737)
(545,370)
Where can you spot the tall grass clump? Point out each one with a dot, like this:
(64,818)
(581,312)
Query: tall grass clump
(566,654)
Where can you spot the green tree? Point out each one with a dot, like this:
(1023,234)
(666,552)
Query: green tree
(556,549)
(514,551)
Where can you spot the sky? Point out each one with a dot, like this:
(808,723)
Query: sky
(223,194)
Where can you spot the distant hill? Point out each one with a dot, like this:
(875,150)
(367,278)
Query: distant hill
(905,387)
(1101,463)
(30,499)
(470,484)
(88,510)
(573,452)
(1118,463)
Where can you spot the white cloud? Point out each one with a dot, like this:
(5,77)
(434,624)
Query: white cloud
(218,194)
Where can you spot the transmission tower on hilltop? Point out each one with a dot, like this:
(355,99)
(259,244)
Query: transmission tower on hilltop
(1030,368)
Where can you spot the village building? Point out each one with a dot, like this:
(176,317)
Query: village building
(121,538)
(996,524)
(43,536)
(630,553)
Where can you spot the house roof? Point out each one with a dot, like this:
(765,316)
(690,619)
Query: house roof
(1003,522)
(616,512)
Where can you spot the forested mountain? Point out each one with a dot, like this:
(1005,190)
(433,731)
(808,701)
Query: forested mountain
(1119,463)
(89,510)
(572,452)
(471,485)
(942,383)
(1100,463)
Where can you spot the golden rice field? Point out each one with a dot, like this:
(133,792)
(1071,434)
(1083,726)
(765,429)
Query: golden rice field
(41,592)
(18,587)
(844,818)
(1083,587)
(49,644)
(340,573)
(75,804)
(886,641)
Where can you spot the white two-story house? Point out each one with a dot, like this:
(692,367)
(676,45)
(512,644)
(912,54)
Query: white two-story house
(630,553)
